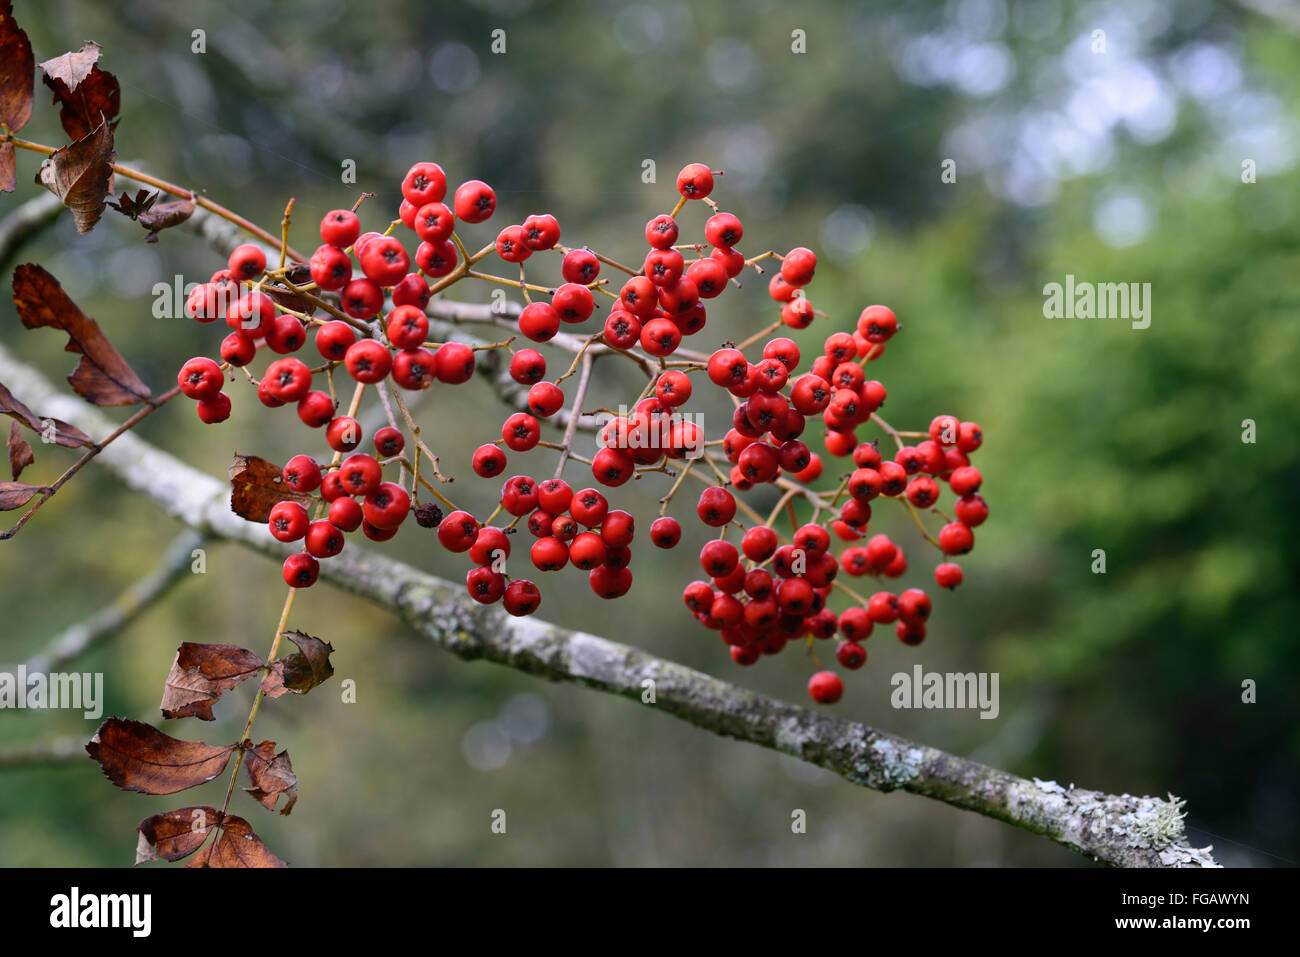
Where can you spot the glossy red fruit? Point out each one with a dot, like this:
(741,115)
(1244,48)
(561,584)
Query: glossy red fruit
(458,531)
(424,183)
(361,298)
(200,378)
(407,327)
(333,339)
(455,363)
(488,461)
(474,201)
(387,505)
(695,181)
(346,513)
(359,474)
(343,434)
(324,539)
(665,532)
(368,361)
(301,570)
(540,231)
(716,506)
(521,598)
(246,261)
(851,655)
(414,369)
(539,321)
(213,409)
(288,521)
(340,228)
(956,539)
(825,687)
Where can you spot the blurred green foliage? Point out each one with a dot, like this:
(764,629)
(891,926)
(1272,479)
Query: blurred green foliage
(1120,168)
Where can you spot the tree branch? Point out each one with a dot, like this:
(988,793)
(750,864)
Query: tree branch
(1113,829)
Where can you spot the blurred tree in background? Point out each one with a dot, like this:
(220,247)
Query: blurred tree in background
(1122,164)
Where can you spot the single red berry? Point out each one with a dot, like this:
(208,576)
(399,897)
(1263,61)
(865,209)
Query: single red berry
(573,303)
(200,378)
(618,528)
(340,228)
(521,432)
(718,558)
(458,531)
(213,409)
(385,262)
(969,437)
(883,607)
(474,201)
(488,461)
(612,467)
(387,505)
(540,231)
(948,575)
(971,509)
(521,598)
(825,687)
(414,369)
(287,379)
(424,183)
(238,349)
(661,232)
(407,327)
(333,339)
(723,230)
(589,507)
(510,245)
(436,259)
(944,430)
(331,268)
(368,361)
(324,539)
(362,298)
(549,554)
(695,181)
(519,495)
(434,223)
(877,324)
(716,507)
(956,539)
(331,486)
(359,474)
(377,534)
(851,655)
(288,521)
(343,434)
(797,266)
(665,532)
(246,261)
(389,442)
(485,585)
(914,605)
(302,474)
(253,315)
(286,335)
(608,581)
(965,480)
(346,514)
(759,543)
(490,545)
(539,321)
(855,624)
(910,632)
(301,570)
(455,363)
(664,267)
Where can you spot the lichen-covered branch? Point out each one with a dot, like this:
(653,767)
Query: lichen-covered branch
(1113,829)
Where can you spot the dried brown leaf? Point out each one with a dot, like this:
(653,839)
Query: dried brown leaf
(17,494)
(164,216)
(256,486)
(85,94)
(173,835)
(81,175)
(138,757)
(200,674)
(272,775)
(20,452)
(236,846)
(58,432)
(102,376)
(132,206)
(17,72)
(301,671)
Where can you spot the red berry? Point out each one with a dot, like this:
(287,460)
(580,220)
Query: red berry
(798,265)
(424,183)
(200,378)
(213,409)
(346,513)
(695,181)
(485,585)
(362,298)
(436,259)
(331,268)
(521,598)
(488,461)
(948,575)
(288,521)
(287,379)
(910,632)
(324,539)
(301,570)
(539,321)
(407,327)
(490,544)
(965,480)
(665,532)
(253,315)
(455,363)
(368,361)
(343,434)
(414,369)
(389,442)
(540,231)
(528,366)
(661,232)
(716,507)
(877,324)
(549,554)
(855,624)
(387,505)
(851,655)
(238,349)
(359,474)
(825,687)
(474,201)
(971,510)
(340,228)
(618,528)
(519,495)
(385,262)
(969,437)
(956,539)
(246,261)
(723,230)
(413,290)
(572,302)
(521,432)
(510,245)
(883,607)
(333,339)
(458,531)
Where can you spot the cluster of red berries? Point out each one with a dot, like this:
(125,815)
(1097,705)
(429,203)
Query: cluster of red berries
(758,596)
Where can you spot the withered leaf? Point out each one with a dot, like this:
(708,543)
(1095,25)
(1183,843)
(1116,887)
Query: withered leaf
(59,432)
(20,452)
(256,486)
(173,835)
(301,671)
(288,298)
(85,93)
(8,168)
(81,175)
(132,206)
(138,757)
(200,674)
(102,376)
(236,846)
(164,216)
(17,71)
(272,775)
(17,494)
